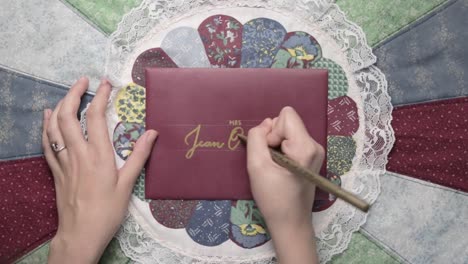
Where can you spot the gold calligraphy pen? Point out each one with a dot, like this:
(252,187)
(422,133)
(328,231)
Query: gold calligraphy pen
(315,178)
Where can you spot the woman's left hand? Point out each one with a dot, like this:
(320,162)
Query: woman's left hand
(92,194)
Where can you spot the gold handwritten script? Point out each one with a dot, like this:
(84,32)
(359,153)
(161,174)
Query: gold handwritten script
(193,140)
(233,140)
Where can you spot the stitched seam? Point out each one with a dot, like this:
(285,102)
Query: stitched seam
(389,250)
(21,157)
(89,20)
(384,249)
(415,23)
(435,102)
(428,184)
(21,74)
(415,103)
(33,251)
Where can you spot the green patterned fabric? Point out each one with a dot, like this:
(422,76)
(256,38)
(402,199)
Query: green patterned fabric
(337,81)
(112,255)
(139,188)
(340,154)
(363,251)
(104,14)
(381,19)
(38,255)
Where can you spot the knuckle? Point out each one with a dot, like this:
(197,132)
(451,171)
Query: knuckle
(44,141)
(47,151)
(316,151)
(252,132)
(93,113)
(49,132)
(63,116)
(287,110)
(320,151)
(138,152)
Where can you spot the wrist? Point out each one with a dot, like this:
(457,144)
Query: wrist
(300,234)
(293,226)
(291,220)
(72,251)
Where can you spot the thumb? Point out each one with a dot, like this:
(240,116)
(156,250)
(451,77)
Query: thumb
(141,151)
(257,145)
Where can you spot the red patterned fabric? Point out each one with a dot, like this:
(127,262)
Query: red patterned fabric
(222,37)
(432,142)
(28,213)
(343,117)
(173,213)
(156,57)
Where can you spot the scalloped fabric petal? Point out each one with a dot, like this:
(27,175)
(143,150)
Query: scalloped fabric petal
(323,200)
(248,228)
(184,46)
(299,50)
(28,213)
(139,187)
(343,117)
(173,213)
(156,57)
(209,224)
(337,80)
(222,38)
(125,137)
(340,154)
(130,104)
(261,40)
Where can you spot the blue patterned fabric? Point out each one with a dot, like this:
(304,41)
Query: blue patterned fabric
(419,221)
(47,39)
(209,224)
(22,101)
(261,40)
(429,61)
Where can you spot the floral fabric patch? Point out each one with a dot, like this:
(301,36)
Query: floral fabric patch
(130,104)
(299,50)
(222,38)
(261,40)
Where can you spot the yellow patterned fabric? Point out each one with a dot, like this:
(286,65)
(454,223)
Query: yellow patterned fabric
(130,104)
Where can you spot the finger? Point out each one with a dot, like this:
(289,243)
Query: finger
(307,153)
(96,118)
(287,126)
(55,136)
(48,152)
(257,145)
(274,138)
(67,116)
(132,168)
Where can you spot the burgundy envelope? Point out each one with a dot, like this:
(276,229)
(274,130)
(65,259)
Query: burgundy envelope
(198,113)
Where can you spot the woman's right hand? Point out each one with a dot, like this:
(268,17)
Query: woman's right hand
(284,199)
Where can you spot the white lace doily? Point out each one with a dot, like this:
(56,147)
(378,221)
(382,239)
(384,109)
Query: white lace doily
(145,241)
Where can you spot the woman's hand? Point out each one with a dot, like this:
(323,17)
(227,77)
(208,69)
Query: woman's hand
(92,194)
(284,199)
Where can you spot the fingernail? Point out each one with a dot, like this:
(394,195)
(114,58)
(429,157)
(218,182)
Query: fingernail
(47,113)
(152,134)
(104,81)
